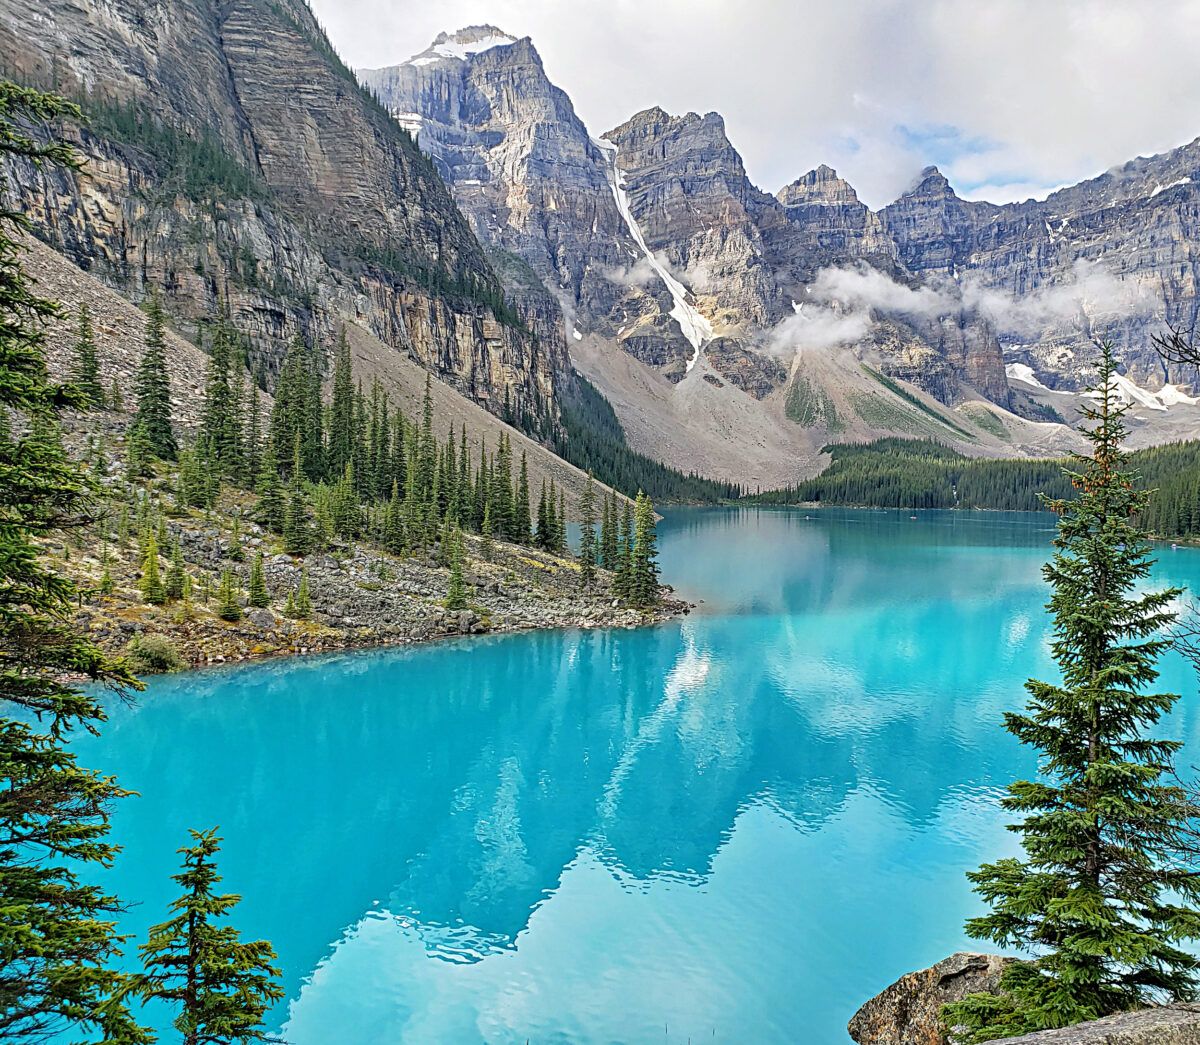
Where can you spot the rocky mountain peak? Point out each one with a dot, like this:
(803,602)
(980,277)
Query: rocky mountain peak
(462,45)
(931,184)
(818,186)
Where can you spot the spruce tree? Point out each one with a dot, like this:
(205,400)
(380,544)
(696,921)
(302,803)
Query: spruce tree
(115,400)
(258,595)
(176,575)
(153,389)
(341,410)
(221,986)
(606,552)
(552,520)
(456,595)
(271,509)
(541,535)
(521,508)
(622,575)
(393,524)
(303,599)
(58,939)
(252,438)
(219,429)
(587,534)
(487,545)
(151,585)
(228,607)
(86,370)
(1101,897)
(643,565)
(297,533)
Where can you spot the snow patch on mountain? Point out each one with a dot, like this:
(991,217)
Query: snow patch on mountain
(1023,372)
(696,328)
(464,44)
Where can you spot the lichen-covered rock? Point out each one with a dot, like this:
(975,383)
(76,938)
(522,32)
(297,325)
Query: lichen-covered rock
(1161,1025)
(909,1011)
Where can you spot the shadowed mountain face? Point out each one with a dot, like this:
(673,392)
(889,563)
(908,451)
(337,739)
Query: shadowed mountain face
(231,156)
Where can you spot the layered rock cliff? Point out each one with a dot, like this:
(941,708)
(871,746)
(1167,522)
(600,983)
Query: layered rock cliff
(234,162)
(653,236)
(1114,256)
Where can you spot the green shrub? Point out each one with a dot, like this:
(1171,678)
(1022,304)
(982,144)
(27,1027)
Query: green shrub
(154,654)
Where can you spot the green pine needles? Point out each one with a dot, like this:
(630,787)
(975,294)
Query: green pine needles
(221,986)
(153,417)
(58,936)
(1104,897)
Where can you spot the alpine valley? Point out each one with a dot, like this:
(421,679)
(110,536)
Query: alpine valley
(454,212)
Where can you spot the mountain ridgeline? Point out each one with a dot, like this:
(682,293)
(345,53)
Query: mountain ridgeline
(696,302)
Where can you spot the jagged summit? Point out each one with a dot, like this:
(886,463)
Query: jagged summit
(930,182)
(463,44)
(818,186)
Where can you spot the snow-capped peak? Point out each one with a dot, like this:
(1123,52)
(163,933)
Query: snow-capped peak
(473,40)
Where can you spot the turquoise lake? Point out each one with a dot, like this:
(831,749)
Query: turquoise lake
(735,827)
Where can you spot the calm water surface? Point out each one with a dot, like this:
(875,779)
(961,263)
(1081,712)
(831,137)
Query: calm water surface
(733,828)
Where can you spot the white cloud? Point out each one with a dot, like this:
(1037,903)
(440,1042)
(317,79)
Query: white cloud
(1010,98)
(842,301)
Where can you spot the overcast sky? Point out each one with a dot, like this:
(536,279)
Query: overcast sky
(1010,98)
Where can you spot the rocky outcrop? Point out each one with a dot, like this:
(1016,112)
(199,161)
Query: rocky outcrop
(520,164)
(1161,1025)
(909,1011)
(232,158)
(689,194)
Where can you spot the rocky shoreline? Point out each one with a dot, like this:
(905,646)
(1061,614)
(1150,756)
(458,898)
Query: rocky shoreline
(360,597)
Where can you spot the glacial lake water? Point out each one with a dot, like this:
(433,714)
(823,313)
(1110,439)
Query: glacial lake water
(735,827)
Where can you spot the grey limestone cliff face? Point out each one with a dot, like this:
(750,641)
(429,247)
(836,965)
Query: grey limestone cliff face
(522,167)
(1114,256)
(330,212)
(582,213)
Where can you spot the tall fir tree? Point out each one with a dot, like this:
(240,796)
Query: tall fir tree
(522,533)
(271,509)
(257,594)
(151,585)
(341,410)
(607,553)
(85,372)
(297,532)
(221,986)
(1101,898)
(456,595)
(152,417)
(228,606)
(58,939)
(643,556)
(218,432)
(587,534)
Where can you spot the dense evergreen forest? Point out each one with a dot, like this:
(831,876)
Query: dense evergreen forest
(592,439)
(920,473)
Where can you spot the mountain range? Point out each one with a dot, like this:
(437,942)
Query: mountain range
(456,210)
(732,327)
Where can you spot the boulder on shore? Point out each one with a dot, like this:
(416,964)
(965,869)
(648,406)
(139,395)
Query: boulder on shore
(909,1011)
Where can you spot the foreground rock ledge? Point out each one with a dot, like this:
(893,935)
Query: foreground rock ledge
(907,1012)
